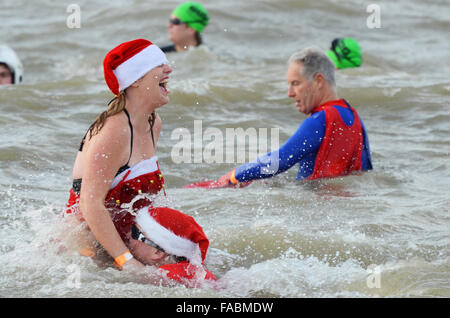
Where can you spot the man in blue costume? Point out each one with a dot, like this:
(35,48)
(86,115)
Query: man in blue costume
(331,142)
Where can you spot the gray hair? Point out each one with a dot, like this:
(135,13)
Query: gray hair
(315,61)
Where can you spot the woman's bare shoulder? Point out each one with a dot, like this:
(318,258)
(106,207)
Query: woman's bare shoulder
(113,136)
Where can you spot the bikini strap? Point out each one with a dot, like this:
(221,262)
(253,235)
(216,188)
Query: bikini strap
(82,140)
(151,127)
(131,140)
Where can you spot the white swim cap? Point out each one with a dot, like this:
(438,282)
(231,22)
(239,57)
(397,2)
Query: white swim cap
(10,58)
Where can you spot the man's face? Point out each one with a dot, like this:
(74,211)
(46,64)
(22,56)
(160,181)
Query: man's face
(142,251)
(5,75)
(303,92)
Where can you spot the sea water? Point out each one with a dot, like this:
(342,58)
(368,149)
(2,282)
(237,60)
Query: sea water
(384,233)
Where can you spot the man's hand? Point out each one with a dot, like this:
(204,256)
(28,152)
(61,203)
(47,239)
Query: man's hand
(224,181)
(229,180)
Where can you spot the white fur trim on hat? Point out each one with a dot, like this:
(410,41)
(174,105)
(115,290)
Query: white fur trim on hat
(169,241)
(138,65)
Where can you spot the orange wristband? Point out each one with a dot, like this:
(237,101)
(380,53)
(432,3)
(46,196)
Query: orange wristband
(122,259)
(233,179)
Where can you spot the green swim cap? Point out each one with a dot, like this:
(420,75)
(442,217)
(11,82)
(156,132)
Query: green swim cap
(345,53)
(193,14)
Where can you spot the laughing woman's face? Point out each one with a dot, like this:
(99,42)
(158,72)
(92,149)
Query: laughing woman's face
(154,85)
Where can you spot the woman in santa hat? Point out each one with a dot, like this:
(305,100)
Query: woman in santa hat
(116,167)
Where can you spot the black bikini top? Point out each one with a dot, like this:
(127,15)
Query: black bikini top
(76,185)
(125,166)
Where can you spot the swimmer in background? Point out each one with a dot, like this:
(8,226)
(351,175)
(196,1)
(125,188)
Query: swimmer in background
(11,69)
(331,142)
(185,26)
(345,53)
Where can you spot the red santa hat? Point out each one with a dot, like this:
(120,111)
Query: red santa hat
(129,61)
(175,232)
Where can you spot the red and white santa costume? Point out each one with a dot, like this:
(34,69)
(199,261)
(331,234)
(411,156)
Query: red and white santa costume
(131,192)
(122,66)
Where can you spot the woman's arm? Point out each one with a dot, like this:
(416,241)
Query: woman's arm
(104,154)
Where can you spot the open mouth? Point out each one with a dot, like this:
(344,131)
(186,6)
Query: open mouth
(163,85)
